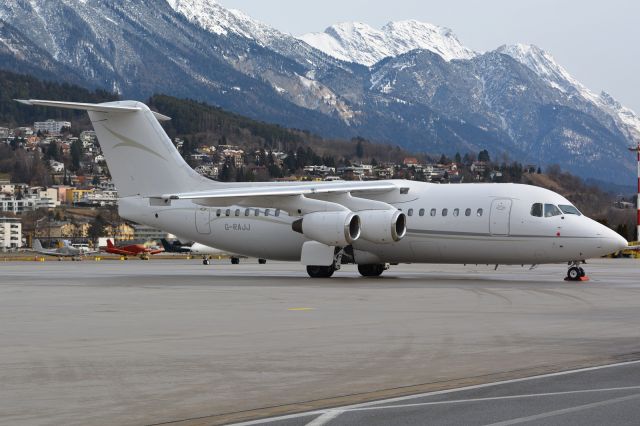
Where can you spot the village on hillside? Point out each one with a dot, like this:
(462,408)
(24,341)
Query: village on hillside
(59,186)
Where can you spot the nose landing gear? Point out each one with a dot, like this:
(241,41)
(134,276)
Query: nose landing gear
(575,272)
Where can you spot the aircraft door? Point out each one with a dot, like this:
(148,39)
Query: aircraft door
(203,220)
(499,217)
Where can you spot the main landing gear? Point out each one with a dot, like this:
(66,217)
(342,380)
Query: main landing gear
(374,270)
(345,256)
(315,271)
(575,272)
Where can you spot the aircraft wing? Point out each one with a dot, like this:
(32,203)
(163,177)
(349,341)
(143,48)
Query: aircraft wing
(56,253)
(115,250)
(285,190)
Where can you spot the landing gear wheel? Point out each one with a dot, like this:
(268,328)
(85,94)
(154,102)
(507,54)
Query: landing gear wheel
(205,261)
(235,261)
(582,273)
(574,274)
(374,270)
(321,271)
(262,261)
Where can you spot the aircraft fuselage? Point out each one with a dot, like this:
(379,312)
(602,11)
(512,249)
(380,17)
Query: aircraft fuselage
(464,223)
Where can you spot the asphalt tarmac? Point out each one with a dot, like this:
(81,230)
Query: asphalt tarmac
(131,343)
(608,395)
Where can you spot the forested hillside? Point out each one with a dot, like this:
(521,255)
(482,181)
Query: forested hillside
(16,86)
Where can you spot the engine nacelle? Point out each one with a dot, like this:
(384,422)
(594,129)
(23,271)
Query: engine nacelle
(383,226)
(339,228)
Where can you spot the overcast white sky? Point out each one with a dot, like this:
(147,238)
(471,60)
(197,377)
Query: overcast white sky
(597,41)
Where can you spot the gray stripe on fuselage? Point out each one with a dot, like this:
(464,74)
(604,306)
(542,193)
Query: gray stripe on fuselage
(484,234)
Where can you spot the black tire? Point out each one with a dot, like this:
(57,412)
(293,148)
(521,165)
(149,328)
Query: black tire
(235,261)
(262,261)
(582,272)
(315,271)
(573,273)
(374,270)
(205,261)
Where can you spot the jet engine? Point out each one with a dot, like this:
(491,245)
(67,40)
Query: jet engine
(383,226)
(338,228)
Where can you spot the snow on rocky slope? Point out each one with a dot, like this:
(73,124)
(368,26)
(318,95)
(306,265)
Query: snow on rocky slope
(363,44)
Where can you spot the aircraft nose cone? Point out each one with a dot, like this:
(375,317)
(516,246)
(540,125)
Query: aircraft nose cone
(613,241)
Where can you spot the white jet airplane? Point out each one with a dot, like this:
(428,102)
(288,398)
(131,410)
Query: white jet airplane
(372,224)
(207,251)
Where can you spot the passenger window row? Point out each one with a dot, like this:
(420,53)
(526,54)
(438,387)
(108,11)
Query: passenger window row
(445,212)
(247,212)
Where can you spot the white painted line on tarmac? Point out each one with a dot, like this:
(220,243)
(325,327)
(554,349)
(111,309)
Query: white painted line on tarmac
(426,394)
(325,418)
(565,411)
(495,398)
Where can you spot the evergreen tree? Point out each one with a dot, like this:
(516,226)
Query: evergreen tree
(97,228)
(458,159)
(240,174)
(484,156)
(275,171)
(359,149)
(76,155)
(52,153)
(228,172)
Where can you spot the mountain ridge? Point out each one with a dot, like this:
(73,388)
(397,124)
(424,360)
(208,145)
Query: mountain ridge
(421,98)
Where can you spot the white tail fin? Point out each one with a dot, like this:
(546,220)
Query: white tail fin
(37,245)
(141,157)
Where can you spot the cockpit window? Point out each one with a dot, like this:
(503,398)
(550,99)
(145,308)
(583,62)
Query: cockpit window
(569,209)
(536,210)
(551,210)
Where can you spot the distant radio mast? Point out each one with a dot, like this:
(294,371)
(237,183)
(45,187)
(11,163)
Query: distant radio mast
(637,150)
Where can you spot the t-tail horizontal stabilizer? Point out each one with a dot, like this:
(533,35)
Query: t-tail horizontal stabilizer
(106,108)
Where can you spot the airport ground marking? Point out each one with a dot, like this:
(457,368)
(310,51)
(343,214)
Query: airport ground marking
(300,309)
(325,418)
(496,398)
(426,394)
(565,411)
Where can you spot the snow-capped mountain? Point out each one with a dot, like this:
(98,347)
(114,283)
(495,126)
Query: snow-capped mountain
(300,84)
(410,83)
(363,44)
(222,21)
(547,68)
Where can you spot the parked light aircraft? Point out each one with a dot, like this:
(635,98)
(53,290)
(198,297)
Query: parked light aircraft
(197,249)
(372,224)
(207,251)
(175,246)
(131,250)
(66,250)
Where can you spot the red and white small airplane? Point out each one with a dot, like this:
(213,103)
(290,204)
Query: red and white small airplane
(131,250)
